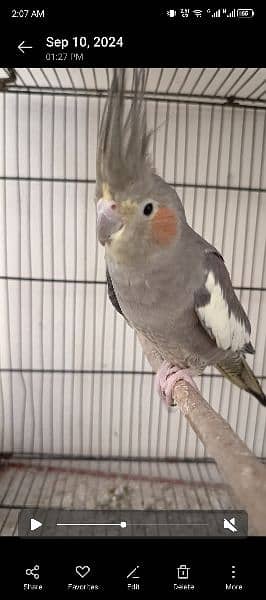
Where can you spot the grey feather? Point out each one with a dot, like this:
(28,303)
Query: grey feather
(214,263)
(123,161)
(122,157)
(248,348)
(111,293)
(237,370)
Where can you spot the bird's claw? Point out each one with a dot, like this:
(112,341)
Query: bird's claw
(166,378)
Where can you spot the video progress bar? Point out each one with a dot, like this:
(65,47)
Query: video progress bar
(124,524)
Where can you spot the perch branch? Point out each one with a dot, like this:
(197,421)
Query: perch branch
(240,468)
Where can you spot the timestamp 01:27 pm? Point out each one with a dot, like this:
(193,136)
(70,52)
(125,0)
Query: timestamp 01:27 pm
(64,56)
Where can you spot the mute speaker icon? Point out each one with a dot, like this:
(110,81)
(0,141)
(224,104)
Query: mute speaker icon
(230,524)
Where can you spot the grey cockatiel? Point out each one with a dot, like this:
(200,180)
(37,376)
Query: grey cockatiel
(167,281)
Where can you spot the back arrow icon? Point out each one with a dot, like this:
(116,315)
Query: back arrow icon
(21,47)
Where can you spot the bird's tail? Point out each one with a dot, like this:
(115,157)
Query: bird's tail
(238,372)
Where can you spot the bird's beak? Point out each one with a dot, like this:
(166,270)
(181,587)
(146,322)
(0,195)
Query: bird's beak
(108,219)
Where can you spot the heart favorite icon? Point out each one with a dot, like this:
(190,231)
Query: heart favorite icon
(82,570)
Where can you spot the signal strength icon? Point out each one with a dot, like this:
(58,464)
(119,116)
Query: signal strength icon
(217,13)
(232,14)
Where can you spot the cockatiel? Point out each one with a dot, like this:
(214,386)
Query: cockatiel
(168,282)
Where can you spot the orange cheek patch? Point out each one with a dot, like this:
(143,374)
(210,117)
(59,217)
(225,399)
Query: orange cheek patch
(164,225)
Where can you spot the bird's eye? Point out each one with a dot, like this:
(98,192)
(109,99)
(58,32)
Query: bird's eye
(148,208)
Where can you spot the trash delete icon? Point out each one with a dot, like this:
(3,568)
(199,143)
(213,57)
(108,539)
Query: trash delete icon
(182,572)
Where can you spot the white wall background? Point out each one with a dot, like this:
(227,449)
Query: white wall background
(47,232)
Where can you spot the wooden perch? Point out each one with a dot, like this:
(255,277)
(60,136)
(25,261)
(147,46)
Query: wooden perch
(245,474)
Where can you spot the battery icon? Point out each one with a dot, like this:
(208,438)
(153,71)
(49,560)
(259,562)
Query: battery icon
(246,13)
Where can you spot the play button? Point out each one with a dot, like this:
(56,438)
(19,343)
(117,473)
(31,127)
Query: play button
(35,524)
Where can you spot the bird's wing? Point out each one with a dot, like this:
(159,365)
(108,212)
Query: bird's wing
(218,308)
(112,294)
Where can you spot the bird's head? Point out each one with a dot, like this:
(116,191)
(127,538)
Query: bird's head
(137,212)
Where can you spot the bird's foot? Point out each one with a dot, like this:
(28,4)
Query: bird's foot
(166,378)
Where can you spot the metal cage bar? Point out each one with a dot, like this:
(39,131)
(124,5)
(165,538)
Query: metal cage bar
(69,386)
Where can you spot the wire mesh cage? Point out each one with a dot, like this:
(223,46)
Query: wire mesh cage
(74,382)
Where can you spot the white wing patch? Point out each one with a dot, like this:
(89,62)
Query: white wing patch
(228,331)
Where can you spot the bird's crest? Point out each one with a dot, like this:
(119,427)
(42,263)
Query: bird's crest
(122,153)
